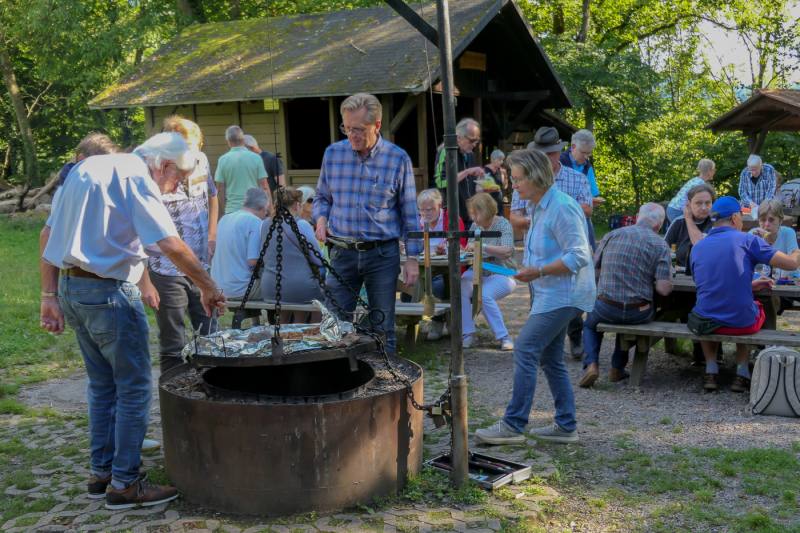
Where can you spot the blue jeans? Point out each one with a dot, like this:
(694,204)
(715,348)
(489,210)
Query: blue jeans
(541,339)
(592,339)
(111,327)
(377,269)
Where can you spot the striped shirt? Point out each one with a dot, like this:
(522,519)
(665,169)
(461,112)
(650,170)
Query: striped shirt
(506,238)
(558,231)
(631,259)
(763,189)
(369,198)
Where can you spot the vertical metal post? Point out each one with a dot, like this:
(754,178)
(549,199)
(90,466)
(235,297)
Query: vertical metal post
(459,474)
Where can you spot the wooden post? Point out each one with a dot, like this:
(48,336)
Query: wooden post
(422,141)
(334,124)
(639,360)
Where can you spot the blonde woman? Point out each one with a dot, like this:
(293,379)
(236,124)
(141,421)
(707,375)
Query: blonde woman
(498,250)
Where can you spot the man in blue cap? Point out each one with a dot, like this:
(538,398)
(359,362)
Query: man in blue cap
(722,265)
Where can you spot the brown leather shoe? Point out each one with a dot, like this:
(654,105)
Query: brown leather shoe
(710,382)
(615,375)
(139,493)
(740,384)
(590,375)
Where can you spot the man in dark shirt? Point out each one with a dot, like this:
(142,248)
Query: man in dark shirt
(468,136)
(630,261)
(272,164)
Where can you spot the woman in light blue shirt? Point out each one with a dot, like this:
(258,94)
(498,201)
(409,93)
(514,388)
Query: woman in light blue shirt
(705,173)
(558,265)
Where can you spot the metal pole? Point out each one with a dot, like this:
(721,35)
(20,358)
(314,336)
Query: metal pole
(459,475)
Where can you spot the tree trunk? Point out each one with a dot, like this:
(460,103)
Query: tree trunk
(583,33)
(235,12)
(26,134)
(7,160)
(559,25)
(190,11)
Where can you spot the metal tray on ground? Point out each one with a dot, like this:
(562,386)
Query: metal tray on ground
(487,471)
(348,348)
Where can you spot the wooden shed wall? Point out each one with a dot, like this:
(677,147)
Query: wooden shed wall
(266,126)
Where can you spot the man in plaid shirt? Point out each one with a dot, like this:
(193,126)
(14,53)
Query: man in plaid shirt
(630,262)
(366,202)
(757,182)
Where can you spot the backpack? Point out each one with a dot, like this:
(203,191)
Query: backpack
(790,193)
(775,387)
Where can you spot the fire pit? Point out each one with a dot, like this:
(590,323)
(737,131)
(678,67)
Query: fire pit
(292,437)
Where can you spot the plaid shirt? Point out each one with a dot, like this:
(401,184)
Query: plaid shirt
(630,260)
(371,198)
(568,181)
(764,189)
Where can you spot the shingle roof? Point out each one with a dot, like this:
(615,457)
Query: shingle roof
(332,54)
(770,109)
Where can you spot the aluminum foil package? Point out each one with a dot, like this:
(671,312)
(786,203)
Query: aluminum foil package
(257,341)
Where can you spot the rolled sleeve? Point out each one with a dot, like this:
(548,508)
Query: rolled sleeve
(571,237)
(408,207)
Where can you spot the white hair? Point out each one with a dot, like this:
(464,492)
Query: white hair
(463,126)
(168,146)
(363,101)
(754,161)
(497,155)
(249,140)
(705,165)
(255,198)
(430,195)
(234,135)
(583,138)
(650,214)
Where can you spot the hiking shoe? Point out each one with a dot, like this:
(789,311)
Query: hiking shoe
(435,330)
(590,375)
(740,384)
(615,375)
(554,434)
(507,345)
(467,341)
(139,493)
(97,486)
(150,445)
(500,433)
(710,382)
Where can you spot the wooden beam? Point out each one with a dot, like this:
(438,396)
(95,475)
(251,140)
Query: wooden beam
(386,119)
(517,95)
(408,106)
(522,117)
(334,126)
(419,23)
(422,140)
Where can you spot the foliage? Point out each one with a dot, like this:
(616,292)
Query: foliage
(636,70)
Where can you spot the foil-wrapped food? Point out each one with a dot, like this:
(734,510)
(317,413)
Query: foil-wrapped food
(257,341)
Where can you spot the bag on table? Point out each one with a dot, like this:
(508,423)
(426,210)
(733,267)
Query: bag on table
(775,387)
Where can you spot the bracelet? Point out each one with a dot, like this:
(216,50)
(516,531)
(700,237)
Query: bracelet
(46,294)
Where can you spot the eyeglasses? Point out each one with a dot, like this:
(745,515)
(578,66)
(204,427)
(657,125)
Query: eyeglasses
(473,140)
(352,131)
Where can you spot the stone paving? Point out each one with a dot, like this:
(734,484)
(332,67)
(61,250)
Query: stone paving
(55,486)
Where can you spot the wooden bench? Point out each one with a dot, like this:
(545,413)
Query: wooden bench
(643,336)
(407,314)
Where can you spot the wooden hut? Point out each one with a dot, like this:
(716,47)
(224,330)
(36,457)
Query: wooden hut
(282,80)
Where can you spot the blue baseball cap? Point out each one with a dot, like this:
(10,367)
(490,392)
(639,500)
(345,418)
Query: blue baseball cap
(724,207)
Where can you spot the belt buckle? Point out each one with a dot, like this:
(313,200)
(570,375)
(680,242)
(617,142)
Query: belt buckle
(358,246)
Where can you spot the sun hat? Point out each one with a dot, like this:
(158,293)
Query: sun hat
(547,140)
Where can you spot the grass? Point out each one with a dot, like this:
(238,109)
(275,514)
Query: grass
(30,354)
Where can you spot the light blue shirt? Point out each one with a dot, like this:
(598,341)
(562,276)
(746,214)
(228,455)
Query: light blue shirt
(680,199)
(786,243)
(107,211)
(558,231)
(238,240)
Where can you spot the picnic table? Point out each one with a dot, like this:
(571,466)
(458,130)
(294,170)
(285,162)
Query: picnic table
(439,265)
(768,298)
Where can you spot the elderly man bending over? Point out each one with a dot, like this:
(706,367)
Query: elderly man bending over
(108,209)
(630,261)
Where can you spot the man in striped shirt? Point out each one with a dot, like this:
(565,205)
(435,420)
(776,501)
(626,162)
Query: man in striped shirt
(757,182)
(366,202)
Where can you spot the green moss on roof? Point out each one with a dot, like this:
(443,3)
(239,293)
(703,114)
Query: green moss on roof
(337,53)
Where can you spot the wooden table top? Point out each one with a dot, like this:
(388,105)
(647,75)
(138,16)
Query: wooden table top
(439,260)
(684,283)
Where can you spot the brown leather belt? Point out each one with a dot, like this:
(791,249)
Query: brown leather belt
(639,305)
(75,272)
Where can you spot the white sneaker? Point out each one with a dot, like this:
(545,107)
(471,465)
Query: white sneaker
(553,433)
(467,341)
(150,445)
(507,345)
(499,433)
(435,330)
